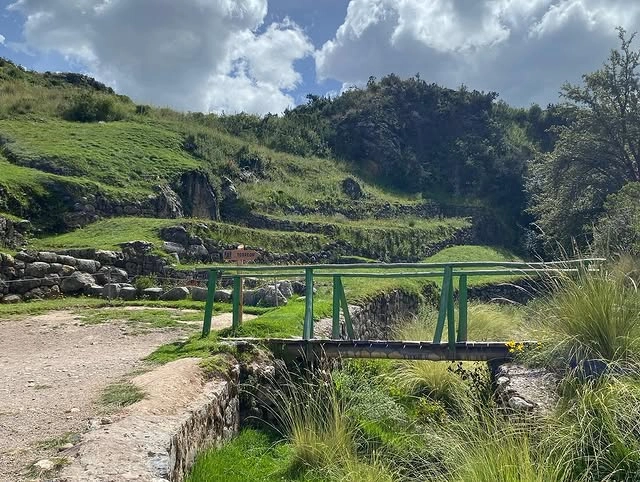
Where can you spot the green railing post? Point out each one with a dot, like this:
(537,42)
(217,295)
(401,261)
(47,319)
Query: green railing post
(345,310)
(208,307)
(451,320)
(462,303)
(335,326)
(237,302)
(444,303)
(307,331)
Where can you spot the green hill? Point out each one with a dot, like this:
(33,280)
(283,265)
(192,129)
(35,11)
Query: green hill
(76,158)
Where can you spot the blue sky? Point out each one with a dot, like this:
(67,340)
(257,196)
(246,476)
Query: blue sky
(266,55)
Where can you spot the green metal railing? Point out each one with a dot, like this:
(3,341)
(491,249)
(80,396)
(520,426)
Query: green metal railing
(337,272)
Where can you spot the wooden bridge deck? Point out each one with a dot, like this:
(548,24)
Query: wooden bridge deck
(403,350)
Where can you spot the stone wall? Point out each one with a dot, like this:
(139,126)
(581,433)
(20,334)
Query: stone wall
(12,233)
(380,316)
(40,275)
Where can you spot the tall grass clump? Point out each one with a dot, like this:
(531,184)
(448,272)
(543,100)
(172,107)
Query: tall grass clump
(313,419)
(596,433)
(593,316)
(486,322)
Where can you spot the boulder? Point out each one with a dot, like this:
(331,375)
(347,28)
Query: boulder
(37,269)
(286,288)
(152,293)
(6,259)
(47,257)
(34,294)
(128,293)
(175,234)
(269,296)
(55,268)
(352,188)
(11,299)
(87,266)
(223,296)
(137,247)
(51,279)
(67,260)
(250,297)
(25,257)
(171,247)
(197,251)
(111,291)
(77,282)
(299,288)
(95,290)
(106,257)
(199,294)
(111,274)
(176,294)
(67,270)
(24,285)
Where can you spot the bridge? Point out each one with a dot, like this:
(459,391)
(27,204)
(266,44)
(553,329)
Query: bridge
(456,345)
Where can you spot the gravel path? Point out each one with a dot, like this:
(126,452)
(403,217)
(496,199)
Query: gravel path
(52,370)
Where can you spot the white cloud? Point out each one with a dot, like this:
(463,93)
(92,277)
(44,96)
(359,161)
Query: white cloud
(192,55)
(523,49)
(2,39)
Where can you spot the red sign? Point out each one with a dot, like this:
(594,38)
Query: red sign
(239,255)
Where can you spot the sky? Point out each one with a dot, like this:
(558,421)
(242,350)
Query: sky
(263,56)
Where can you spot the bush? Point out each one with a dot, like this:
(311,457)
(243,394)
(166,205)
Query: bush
(94,107)
(141,283)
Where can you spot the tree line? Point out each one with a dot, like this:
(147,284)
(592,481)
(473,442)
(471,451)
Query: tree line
(565,174)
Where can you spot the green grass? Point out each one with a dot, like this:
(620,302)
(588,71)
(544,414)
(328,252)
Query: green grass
(283,322)
(121,394)
(131,155)
(107,234)
(151,318)
(38,307)
(110,233)
(252,455)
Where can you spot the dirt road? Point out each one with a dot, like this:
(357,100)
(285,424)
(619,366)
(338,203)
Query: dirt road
(52,371)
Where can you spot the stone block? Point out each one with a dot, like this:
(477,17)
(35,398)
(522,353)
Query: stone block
(176,294)
(67,260)
(95,291)
(128,293)
(37,269)
(111,291)
(47,257)
(11,299)
(223,296)
(87,265)
(76,283)
(152,293)
(199,294)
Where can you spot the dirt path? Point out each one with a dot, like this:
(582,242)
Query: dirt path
(52,370)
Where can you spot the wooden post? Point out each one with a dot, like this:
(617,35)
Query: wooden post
(444,303)
(462,303)
(208,307)
(307,332)
(335,327)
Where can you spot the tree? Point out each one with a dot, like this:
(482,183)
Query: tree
(596,154)
(619,228)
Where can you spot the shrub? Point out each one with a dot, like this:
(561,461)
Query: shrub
(94,107)
(141,283)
